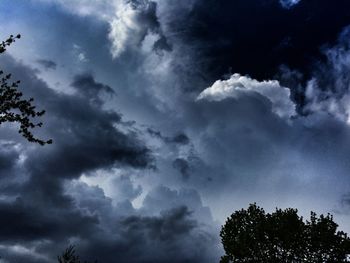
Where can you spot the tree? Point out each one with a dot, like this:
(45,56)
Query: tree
(69,256)
(13,108)
(251,235)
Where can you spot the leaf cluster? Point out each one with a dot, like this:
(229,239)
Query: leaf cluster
(13,108)
(251,235)
(69,256)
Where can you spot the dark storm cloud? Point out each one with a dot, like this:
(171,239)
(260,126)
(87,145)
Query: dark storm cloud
(237,154)
(47,64)
(26,222)
(8,158)
(148,16)
(85,134)
(168,227)
(161,231)
(90,90)
(162,198)
(148,19)
(183,167)
(87,86)
(180,138)
(47,208)
(255,37)
(85,139)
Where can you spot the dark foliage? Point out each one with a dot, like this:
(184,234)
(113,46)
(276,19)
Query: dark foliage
(13,108)
(69,256)
(251,235)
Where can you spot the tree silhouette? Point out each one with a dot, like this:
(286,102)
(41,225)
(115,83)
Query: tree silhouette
(13,108)
(251,235)
(69,256)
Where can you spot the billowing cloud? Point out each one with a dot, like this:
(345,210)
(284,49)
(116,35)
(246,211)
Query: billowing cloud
(133,21)
(278,96)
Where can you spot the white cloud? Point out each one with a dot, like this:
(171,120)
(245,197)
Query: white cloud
(103,9)
(289,3)
(129,21)
(17,249)
(328,91)
(125,29)
(234,86)
(79,53)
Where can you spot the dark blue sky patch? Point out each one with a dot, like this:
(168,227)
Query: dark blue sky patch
(256,37)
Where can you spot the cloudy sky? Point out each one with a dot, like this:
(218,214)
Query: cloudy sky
(167,116)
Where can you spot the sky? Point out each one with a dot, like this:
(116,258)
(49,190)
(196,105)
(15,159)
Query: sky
(167,116)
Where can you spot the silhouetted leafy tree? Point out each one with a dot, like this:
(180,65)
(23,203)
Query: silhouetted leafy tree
(69,256)
(13,108)
(251,235)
